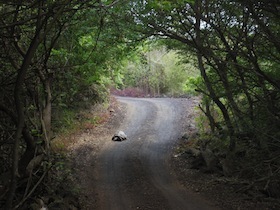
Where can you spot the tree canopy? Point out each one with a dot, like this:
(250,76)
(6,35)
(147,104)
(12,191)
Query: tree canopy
(237,51)
(60,55)
(48,61)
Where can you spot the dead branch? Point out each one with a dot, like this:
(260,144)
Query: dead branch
(34,188)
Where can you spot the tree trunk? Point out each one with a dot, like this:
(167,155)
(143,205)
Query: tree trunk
(200,51)
(20,111)
(46,114)
(28,153)
(21,118)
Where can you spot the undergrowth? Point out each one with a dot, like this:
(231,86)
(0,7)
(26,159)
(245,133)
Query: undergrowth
(57,188)
(255,166)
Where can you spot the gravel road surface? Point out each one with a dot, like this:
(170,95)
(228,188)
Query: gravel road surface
(136,174)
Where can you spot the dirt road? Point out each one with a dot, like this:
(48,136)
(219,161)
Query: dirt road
(135,174)
(142,172)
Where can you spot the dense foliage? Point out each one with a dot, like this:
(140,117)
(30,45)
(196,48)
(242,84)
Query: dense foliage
(158,71)
(52,61)
(237,51)
(58,55)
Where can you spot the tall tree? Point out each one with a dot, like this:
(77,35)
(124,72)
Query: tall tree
(236,53)
(30,33)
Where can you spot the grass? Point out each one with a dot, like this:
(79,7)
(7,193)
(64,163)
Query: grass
(73,123)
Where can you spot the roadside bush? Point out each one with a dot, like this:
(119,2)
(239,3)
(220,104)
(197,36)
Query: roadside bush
(129,92)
